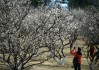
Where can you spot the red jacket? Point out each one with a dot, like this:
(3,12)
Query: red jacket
(75,53)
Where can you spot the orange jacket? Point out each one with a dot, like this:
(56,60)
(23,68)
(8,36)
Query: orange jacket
(74,53)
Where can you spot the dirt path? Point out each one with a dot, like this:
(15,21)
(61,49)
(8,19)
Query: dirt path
(39,68)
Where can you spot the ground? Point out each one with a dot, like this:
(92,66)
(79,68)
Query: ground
(52,65)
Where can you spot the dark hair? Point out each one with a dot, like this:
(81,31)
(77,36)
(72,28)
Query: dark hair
(79,49)
(74,47)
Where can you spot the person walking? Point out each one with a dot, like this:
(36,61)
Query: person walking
(77,58)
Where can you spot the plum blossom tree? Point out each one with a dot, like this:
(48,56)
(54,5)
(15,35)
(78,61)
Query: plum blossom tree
(24,30)
(15,46)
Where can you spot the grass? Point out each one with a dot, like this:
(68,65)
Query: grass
(52,65)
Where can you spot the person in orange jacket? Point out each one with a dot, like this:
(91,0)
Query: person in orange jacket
(77,58)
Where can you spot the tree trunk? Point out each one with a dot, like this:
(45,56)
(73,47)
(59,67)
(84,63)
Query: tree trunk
(14,68)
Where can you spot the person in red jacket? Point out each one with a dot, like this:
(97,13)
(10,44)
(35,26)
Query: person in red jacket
(77,58)
(91,51)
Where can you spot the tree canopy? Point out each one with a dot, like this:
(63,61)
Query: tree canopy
(83,3)
(36,3)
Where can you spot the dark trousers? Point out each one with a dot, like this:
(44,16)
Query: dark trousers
(77,66)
